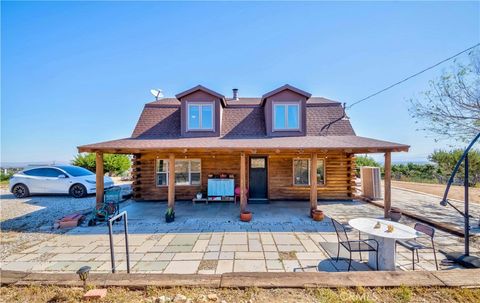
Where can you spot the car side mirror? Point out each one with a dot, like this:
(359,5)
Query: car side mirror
(62,176)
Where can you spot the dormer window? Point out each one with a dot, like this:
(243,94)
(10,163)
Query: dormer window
(286,116)
(200,116)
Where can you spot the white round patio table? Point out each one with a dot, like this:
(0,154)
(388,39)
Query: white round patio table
(386,240)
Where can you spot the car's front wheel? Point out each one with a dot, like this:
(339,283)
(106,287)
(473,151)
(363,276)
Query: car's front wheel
(20,191)
(78,191)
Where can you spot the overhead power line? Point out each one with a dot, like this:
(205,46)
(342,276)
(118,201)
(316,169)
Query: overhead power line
(412,76)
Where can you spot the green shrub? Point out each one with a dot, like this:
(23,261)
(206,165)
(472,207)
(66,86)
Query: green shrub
(113,164)
(5,177)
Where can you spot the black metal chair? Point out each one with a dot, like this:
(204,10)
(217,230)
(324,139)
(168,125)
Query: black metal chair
(415,246)
(353,245)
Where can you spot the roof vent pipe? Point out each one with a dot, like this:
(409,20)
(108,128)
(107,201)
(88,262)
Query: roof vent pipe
(235,93)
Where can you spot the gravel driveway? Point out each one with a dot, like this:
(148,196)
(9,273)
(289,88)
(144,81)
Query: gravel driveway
(30,220)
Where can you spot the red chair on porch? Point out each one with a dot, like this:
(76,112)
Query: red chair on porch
(237,194)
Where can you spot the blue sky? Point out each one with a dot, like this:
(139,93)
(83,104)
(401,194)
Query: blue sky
(78,73)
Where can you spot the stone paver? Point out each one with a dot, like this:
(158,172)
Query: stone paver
(279,238)
(182,267)
(249,265)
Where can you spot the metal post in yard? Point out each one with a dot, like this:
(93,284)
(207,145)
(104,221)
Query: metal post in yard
(467,217)
(112,254)
(125,225)
(110,232)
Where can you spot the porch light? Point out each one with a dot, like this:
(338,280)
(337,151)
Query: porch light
(83,274)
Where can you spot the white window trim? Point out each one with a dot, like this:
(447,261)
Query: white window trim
(200,118)
(286,104)
(189,172)
(309,172)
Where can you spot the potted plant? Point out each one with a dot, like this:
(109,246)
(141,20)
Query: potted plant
(317,215)
(395,214)
(169,215)
(245,216)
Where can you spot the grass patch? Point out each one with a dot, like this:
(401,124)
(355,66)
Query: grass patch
(37,294)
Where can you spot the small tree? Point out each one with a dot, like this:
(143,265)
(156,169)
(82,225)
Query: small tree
(450,108)
(113,164)
(364,161)
(446,160)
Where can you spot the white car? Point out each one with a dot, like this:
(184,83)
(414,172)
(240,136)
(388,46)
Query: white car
(58,179)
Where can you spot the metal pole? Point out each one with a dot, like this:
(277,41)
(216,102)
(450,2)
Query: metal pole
(126,241)
(112,254)
(467,218)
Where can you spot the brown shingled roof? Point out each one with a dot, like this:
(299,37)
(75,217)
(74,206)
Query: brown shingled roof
(243,126)
(354,143)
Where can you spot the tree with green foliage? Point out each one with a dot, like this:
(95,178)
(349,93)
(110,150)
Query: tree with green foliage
(113,164)
(450,108)
(414,172)
(446,160)
(365,161)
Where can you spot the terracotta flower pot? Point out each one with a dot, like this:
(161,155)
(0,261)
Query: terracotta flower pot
(245,216)
(317,215)
(395,214)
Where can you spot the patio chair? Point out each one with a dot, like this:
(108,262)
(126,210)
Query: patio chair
(237,194)
(351,246)
(415,246)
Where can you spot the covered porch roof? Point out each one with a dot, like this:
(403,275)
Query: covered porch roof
(353,144)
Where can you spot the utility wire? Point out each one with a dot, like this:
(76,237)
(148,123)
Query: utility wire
(412,76)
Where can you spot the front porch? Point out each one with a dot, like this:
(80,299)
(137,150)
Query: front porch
(293,174)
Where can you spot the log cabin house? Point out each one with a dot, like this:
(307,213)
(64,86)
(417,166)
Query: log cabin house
(285,145)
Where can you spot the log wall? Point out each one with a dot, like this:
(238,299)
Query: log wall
(339,175)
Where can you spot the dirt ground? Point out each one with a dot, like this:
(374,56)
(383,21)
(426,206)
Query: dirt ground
(152,294)
(456,192)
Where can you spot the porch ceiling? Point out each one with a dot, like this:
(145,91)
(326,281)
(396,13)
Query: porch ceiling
(352,144)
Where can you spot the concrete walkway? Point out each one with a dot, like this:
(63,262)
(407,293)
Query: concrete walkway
(429,206)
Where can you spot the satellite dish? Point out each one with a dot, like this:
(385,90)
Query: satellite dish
(157,93)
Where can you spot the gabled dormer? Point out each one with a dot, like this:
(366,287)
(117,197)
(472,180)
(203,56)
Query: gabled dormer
(201,112)
(285,111)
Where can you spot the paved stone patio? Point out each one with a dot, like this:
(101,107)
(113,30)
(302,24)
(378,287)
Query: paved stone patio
(210,239)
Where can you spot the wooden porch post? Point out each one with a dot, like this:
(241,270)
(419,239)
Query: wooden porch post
(313,183)
(243,196)
(99,179)
(388,184)
(171,180)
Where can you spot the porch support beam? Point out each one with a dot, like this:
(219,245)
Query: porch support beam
(243,177)
(99,172)
(313,183)
(388,185)
(171,180)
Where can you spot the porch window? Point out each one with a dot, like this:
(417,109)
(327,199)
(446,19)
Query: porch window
(320,171)
(200,116)
(162,172)
(187,172)
(286,116)
(301,172)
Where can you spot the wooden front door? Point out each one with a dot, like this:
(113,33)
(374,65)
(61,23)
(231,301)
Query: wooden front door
(257,189)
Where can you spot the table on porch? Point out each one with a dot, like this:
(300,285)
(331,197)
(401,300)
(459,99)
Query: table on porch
(386,240)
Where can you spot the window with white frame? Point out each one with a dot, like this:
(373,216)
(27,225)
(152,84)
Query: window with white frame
(200,116)
(187,172)
(301,172)
(286,116)
(162,172)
